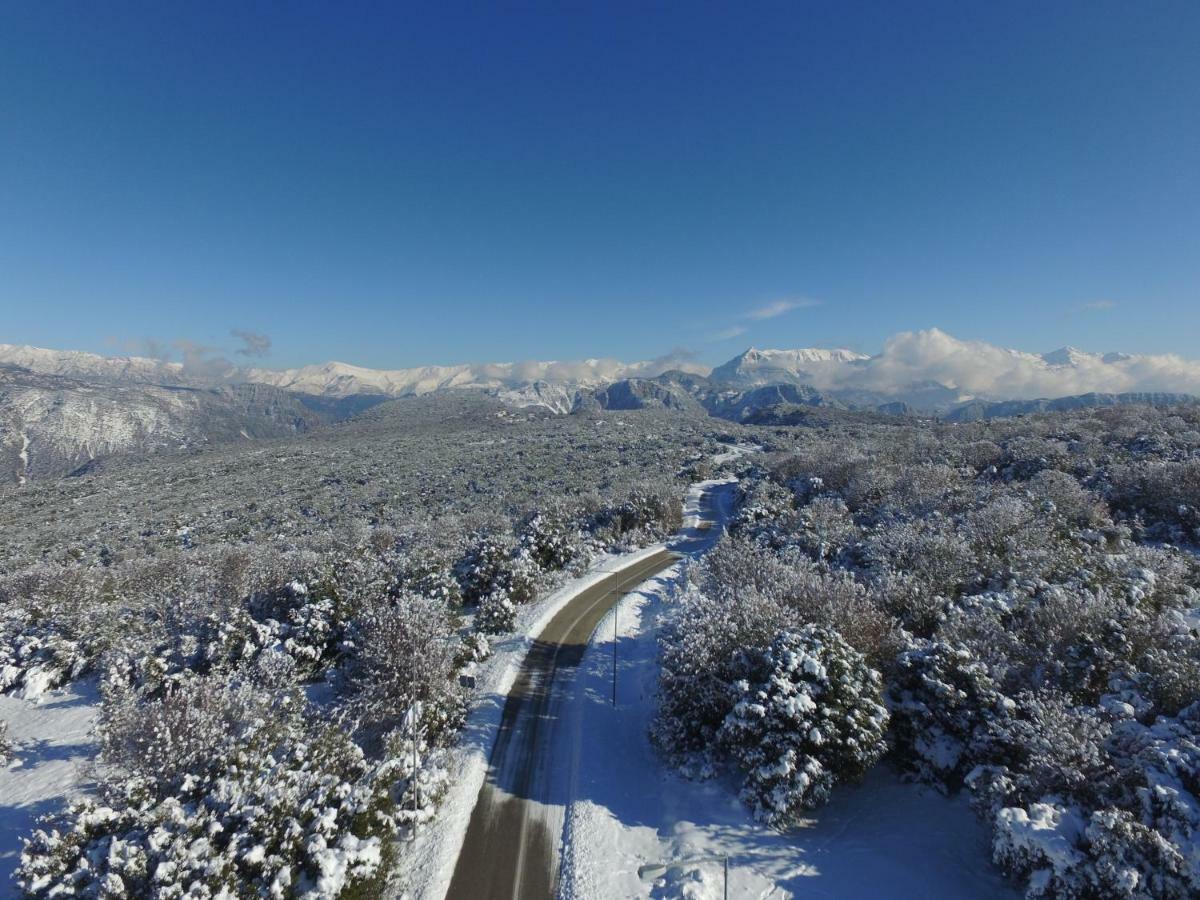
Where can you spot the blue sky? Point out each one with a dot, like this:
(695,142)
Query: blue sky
(396,185)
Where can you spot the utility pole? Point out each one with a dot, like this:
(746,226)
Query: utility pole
(615,609)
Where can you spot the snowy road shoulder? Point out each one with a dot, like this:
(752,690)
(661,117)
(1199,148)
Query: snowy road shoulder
(55,743)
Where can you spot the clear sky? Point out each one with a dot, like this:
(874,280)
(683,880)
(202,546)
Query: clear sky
(396,184)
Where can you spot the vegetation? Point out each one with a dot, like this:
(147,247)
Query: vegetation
(273,628)
(1026,592)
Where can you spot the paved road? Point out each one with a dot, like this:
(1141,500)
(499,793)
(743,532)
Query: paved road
(511,847)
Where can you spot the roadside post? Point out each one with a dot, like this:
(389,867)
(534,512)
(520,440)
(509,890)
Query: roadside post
(616,608)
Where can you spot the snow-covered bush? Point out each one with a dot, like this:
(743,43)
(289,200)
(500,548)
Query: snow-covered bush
(1041,846)
(552,541)
(475,648)
(942,699)
(808,716)
(827,528)
(405,654)
(214,786)
(309,819)
(6,745)
(174,732)
(497,614)
(700,646)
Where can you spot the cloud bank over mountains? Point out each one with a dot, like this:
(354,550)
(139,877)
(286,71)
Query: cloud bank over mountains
(980,369)
(928,364)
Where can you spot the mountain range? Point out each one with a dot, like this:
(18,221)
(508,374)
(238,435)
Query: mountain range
(61,411)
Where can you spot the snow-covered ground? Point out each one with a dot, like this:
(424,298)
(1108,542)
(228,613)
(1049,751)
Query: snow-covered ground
(54,747)
(884,838)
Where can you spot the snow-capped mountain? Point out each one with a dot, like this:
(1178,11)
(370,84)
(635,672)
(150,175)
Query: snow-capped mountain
(78,364)
(923,371)
(755,367)
(533,378)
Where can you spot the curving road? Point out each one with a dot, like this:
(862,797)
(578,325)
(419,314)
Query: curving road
(511,849)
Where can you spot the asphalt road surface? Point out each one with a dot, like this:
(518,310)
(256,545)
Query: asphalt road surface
(511,847)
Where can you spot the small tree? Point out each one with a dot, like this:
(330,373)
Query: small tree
(809,717)
(406,653)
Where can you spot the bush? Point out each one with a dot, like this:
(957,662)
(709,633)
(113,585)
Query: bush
(808,716)
(497,614)
(942,699)
(405,654)
(218,788)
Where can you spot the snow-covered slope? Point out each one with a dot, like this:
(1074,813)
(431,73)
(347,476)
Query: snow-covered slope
(51,425)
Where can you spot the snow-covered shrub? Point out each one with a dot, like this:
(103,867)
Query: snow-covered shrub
(699,649)
(218,785)
(827,527)
(552,541)
(475,648)
(1049,745)
(168,733)
(484,566)
(310,818)
(405,654)
(497,614)
(425,572)
(1041,845)
(648,511)
(807,717)
(1130,859)
(765,510)
(941,699)
(6,745)
(931,552)
(1072,501)
(37,659)
(494,565)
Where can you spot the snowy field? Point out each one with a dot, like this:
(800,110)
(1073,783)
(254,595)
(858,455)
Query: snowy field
(885,838)
(54,747)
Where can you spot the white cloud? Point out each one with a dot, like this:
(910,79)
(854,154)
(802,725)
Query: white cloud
(981,369)
(778,308)
(726,334)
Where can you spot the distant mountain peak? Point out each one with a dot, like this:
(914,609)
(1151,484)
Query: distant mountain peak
(1067,356)
(756,367)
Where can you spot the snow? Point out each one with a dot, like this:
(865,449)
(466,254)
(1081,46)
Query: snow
(23,456)
(628,810)
(427,865)
(54,746)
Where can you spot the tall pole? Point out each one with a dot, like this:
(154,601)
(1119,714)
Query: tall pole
(615,609)
(727,878)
